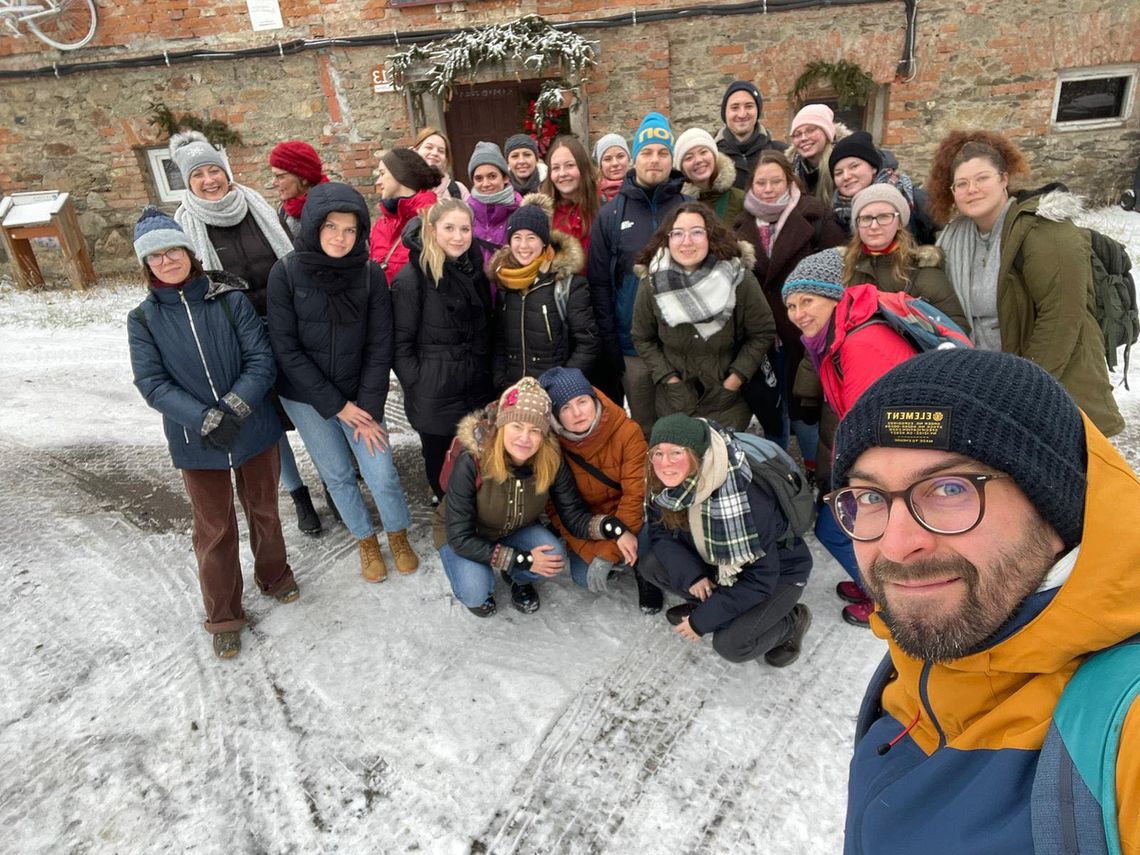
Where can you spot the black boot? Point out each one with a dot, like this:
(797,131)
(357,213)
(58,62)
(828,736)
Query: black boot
(649,596)
(788,650)
(330,503)
(485,610)
(524,598)
(307,519)
(677,614)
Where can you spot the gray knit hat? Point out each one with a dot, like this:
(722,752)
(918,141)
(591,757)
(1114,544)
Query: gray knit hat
(191,149)
(882,193)
(486,153)
(606,143)
(156,231)
(821,273)
(519,141)
(1001,410)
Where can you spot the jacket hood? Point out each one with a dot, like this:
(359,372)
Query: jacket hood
(412,236)
(928,256)
(221,282)
(724,180)
(841,131)
(1053,202)
(859,304)
(328,198)
(667,189)
(569,257)
(747,259)
(475,430)
(1003,695)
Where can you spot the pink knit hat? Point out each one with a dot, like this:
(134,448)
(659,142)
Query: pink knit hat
(819,115)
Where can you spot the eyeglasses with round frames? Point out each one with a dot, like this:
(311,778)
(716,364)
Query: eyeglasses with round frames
(884,220)
(694,234)
(981,182)
(801,133)
(942,504)
(173,254)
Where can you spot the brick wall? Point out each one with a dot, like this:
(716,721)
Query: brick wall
(979,64)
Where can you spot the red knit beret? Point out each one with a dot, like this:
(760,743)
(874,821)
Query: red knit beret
(299,158)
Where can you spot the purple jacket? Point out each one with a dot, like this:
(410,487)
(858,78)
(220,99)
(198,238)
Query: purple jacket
(491,224)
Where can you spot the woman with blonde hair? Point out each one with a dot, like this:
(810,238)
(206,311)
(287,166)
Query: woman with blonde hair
(488,522)
(442,307)
(882,252)
(435,148)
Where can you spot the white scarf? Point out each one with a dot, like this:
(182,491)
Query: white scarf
(195,214)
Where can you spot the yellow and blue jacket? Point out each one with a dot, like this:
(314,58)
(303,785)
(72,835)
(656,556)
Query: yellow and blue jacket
(960,779)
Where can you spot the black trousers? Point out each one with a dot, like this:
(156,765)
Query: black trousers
(751,634)
(434,449)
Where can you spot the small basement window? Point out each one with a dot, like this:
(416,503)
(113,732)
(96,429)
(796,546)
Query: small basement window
(1091,98)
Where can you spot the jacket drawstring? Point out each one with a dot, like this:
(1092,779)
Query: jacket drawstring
(887,746)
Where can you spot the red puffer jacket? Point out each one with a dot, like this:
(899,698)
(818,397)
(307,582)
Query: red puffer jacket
(862,349)
(384,244)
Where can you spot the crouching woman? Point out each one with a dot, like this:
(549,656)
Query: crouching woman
(716,538)
(200,357)
(496,488)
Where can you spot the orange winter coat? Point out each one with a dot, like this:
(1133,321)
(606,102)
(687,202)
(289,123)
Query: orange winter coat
(616,447)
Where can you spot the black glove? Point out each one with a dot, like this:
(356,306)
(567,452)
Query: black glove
(224,434)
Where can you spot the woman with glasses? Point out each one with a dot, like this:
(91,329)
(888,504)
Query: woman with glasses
(849,352)
(813,132)
(200,356)
(883,253)
(1020,267)
(700,320)
(783,224)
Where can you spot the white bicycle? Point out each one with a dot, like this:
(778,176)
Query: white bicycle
(62,24)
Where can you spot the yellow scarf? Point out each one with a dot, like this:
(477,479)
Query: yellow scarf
(521,278)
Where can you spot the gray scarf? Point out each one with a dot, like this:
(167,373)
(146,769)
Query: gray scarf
(506,196)
(973,271)
(195,214)
(704,298)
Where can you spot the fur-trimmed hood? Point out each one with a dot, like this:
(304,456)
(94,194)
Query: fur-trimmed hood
(475,430)
(722,183)
(923,256)
(222,282)
(747,258)
(1054,202)
(569,257)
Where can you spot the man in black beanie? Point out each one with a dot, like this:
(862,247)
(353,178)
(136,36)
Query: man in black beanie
(995,528)
(743,137)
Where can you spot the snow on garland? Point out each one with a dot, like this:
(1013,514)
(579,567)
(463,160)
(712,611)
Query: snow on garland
(530,40)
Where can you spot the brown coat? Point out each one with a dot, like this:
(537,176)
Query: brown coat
(617,447)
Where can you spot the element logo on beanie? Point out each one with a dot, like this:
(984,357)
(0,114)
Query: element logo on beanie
(917,427)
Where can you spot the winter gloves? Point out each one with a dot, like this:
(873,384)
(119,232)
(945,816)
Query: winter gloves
(222,424)
(598,575)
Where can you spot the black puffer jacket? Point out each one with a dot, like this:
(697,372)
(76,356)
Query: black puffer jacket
(531,334)
(330,319)
(442,338)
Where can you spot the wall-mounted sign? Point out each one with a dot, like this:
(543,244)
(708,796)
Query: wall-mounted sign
(265,14)
(380,81)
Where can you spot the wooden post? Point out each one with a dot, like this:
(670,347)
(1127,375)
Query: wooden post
(40,215)
(23,261)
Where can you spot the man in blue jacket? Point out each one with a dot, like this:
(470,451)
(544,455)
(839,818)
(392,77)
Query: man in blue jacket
(620,231)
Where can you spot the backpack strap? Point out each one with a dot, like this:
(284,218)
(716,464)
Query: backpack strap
(1073,803)
(384,263)
(591,469)
(138,314)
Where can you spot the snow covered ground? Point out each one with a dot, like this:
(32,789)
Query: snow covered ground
(363,718)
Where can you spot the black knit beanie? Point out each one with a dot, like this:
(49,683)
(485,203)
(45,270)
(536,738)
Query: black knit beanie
(858,144)
(680,429)
(411,170)
(996,408)
(532,217)
(742,86)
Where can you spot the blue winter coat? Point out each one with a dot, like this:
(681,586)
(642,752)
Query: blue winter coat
(188,352)
(756,581)
(614,247)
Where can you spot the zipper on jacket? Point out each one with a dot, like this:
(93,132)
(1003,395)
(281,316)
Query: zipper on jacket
(202,356)
(522,330)
(923,685)
(546,320)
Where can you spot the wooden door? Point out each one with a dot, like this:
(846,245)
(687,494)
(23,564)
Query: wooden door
(485,111)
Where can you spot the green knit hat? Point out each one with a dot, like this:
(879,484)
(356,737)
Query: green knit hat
(679,429)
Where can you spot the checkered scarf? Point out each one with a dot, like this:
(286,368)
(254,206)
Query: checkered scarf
(720,516)
(704,298)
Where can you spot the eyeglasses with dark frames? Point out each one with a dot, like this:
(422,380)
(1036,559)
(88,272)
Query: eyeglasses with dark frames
(953,503)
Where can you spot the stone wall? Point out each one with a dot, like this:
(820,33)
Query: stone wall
(978,64)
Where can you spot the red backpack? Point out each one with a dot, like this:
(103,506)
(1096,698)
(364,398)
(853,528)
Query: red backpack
(453,451)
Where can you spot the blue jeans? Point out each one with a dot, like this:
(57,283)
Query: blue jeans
(330,444)
(836,541)
(472,582)
(807,436)
(290,476)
